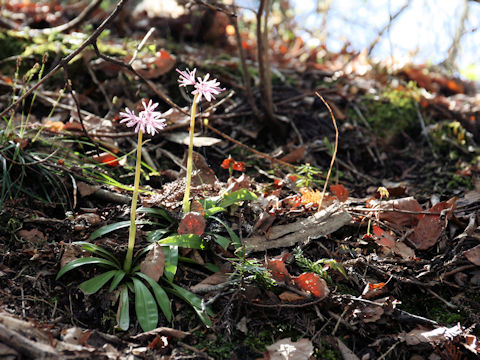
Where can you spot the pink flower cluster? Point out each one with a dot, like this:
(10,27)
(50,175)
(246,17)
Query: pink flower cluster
(203,87)
(148,120)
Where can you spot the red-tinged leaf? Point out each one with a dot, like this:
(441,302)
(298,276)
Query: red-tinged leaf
(226,163)
(340,192)
(293,178)
(192,223)
(278,269)
(73,126)
(430,227)
(238,166)
(372,291)
(106,159)
(313,284)
(390,245)
(400,219)
(197,207)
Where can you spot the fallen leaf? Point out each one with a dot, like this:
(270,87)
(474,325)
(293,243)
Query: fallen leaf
(154,66)
(295,156)
(286,349)
(473,255)
(214,279)
(289,296)
(340,192)
(154,263)
(372,291)
(106,159)
(278,269)
(86,189)
(430,227)
(192,223)
(313,284)
(400,220)
(390,245)
(32,236)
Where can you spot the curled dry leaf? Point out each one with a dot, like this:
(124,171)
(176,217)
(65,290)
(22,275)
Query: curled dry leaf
(400,220)
(340,192)
(154,263)
(390,245)
(313,284)
(473,255)
(192,223)
(430,227)
(288,296)
(278,269)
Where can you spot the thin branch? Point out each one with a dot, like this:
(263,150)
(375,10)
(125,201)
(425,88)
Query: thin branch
(387,26)
(65,60)
(334,155)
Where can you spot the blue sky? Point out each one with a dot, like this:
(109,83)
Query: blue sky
(425,29)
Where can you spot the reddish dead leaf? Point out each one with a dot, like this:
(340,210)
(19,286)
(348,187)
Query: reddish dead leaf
(32,236)
(154,66)
(400,220)
(238,166)
(106,159)
(288,296)
(313,284)
(473,255)
(295,156)
(197,207)
(340,192)
(372,291)
(154,263)
(192,223)
(278,269)
(390,245)
(430,227)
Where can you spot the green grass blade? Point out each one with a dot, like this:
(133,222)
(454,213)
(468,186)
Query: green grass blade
(221,240)
(213,211)
(94,284)
(123,313)
(95,249)
(84,261)
(160,295)
(235,239)
(145,306)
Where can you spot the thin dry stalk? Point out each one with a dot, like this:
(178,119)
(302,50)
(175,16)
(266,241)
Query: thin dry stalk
(334,155)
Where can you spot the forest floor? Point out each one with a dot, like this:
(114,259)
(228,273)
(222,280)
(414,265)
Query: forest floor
(384,266)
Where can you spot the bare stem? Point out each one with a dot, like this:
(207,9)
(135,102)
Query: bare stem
(186,197)
(131,235)
(334,155)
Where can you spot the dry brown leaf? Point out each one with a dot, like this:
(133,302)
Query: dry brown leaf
(214,279)
(295,156)
(473,255)
(192,223)
(340,192)
(400,220)
(288,296)
(430,227)
(154,263)
(32,236)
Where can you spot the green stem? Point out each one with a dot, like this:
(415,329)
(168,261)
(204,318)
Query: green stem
(186,197)
(131,236)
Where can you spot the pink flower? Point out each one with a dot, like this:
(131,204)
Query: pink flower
(148,120)
(203,87)
(186,77)
(207,88)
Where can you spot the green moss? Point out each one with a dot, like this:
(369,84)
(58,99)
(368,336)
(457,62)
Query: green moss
(392,111)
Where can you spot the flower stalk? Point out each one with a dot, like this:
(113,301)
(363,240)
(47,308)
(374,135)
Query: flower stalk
(133,212)
(150,121)
(186,196)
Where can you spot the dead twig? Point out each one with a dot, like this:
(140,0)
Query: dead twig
(334,155)
(65,60)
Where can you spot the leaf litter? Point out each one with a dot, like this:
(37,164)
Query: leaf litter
(411,263)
